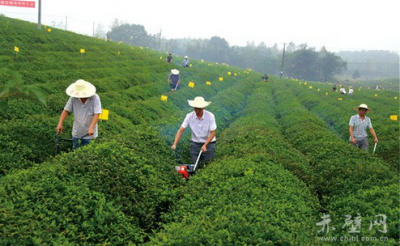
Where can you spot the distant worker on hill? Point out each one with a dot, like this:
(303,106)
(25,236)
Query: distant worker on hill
(342,90)
(334,88)
(203,126)
(357,127)
(351,91)
(185,62)
(174,79)
(169,58)
(265,77)
(85,104)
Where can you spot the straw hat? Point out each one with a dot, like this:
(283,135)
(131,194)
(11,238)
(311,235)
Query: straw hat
(186,57)
(363,105)
(175,71)
(81,89)
(198,102)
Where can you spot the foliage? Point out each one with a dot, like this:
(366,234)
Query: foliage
(371,64)
(130,34)
(282,152)
(356,74)
(44,206)
(307,64)
(240,201)
(14,87)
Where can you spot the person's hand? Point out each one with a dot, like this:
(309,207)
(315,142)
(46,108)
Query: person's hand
(173,147)
(59,128)
(90,131)
(204,148)
(353,140)
(376,140)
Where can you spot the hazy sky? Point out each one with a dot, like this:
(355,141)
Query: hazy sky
(337,24)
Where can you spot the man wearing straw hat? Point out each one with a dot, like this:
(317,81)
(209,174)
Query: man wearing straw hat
(85,104)
(358,125)
(185,62)
(174,79)
(203,126)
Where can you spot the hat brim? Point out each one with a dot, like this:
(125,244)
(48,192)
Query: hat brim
(175,72)
(195,104)
(358,107)
(89,91)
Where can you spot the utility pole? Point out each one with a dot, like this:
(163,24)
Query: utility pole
(93,29)
(66,21)
(159,41)
(40,15)
(283,58)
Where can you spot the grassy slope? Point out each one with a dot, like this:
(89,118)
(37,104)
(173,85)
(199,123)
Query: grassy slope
(129,171)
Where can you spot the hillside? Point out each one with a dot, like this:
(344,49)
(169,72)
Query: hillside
(283,158)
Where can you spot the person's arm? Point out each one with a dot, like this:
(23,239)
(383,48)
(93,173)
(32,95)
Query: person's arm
(351,129)
(209,139)
(177,137)
(63,115)
(353,140)
(93,124)
(373,134)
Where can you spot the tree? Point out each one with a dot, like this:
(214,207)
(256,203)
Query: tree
(131,34)
(356,74)
(217,49)
(100,32)
(302,64)
(329,65)
(308,64)
(116,23)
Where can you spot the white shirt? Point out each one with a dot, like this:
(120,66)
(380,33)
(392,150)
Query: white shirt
(202,127)
(360,126)
(83,115)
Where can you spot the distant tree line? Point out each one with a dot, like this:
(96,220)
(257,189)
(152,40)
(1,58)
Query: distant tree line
(371,64)
(301,62)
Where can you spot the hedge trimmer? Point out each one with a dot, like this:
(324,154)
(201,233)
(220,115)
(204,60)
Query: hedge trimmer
(188,169)
(58,138)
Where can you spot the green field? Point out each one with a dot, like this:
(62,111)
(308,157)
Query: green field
(283,157)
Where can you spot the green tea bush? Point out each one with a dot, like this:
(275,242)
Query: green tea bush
(337,115)
(44,206)
(338,169)
(245,201)
(136,172)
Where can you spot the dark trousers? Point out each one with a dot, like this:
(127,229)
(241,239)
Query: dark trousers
(205,157)
(361,144)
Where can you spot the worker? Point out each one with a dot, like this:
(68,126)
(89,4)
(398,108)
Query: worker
(265,77)
(185,62)
(357,128)
(203,126)
(342,90)
(169,58)
(85,104)
(351,90)
(174,79)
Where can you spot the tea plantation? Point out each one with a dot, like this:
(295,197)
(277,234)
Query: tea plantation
(285,173)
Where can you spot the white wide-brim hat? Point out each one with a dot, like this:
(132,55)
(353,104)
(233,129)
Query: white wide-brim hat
(363,105)
(81,89)
(186,57)
(175,71)
(198,102)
